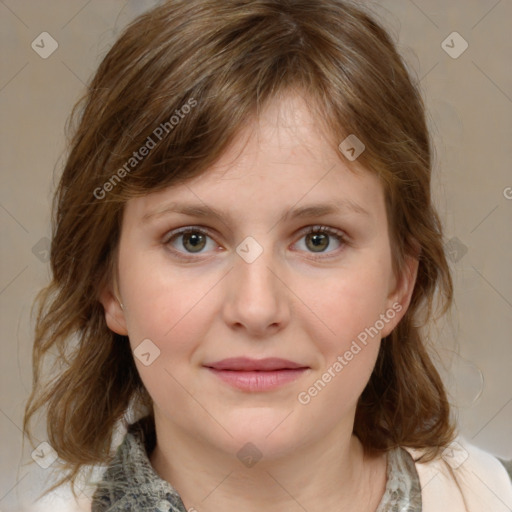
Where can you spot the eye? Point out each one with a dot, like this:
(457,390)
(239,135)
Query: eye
(191,240)
(318,239)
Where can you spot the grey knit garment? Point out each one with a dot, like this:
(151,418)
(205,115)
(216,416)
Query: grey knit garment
(130,484)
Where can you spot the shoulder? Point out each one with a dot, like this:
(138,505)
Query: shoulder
(466,478)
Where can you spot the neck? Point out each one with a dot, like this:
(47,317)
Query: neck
(333,474)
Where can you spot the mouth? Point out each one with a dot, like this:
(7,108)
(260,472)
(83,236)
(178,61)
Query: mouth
(256,375)
(248,365)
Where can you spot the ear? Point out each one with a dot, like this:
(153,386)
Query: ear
(114,314)
(400,294)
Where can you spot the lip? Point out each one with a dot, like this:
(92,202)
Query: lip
(256,375)
(248,364)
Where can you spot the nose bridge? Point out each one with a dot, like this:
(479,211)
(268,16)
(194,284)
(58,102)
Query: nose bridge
(255,276)
(256,298)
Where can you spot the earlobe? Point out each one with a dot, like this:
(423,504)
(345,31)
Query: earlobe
(114,312)
(400,297)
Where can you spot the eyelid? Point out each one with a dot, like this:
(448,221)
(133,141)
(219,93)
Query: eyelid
(322,228)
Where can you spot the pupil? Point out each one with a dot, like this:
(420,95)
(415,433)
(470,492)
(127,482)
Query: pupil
(319,240)
(194,240)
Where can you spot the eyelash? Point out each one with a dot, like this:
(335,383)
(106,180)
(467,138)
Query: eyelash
(339,235)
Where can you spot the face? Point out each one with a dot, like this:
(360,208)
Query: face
(295,264)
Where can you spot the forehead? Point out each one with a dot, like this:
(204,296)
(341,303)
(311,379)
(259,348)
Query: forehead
(281,158)
(285,133)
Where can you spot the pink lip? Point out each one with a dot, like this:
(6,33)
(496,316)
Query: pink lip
(247,364)
(256,375)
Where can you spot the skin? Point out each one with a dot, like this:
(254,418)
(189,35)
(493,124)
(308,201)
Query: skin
(285,304)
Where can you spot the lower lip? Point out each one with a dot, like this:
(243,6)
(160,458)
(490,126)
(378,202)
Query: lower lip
(258,381)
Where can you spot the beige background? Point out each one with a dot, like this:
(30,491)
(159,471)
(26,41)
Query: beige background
(469,99)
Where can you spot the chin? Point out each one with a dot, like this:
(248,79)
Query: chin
(270,434)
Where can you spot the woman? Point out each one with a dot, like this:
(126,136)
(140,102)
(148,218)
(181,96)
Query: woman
(245,250)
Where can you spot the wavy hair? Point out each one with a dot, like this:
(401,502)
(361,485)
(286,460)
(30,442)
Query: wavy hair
(231,57)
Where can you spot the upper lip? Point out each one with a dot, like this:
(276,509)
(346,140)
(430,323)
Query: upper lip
(247,364)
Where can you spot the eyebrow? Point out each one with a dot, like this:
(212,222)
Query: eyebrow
(313,210)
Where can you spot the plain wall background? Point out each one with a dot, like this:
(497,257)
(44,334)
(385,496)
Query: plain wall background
(469,102)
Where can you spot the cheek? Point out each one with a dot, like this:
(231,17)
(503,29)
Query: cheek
(347,343)
(162,301)
(344,305)
(173,313)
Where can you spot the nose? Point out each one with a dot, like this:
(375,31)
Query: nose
(257,299)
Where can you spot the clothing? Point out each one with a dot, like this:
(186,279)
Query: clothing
(131,484)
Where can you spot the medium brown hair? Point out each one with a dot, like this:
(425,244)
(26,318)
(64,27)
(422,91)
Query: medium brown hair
(231,57)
